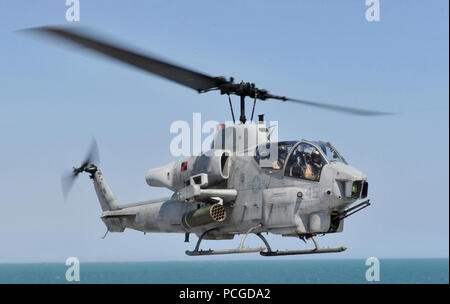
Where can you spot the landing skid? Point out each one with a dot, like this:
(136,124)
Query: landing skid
(317,249)
(308,251)
(224,251)
(241,249)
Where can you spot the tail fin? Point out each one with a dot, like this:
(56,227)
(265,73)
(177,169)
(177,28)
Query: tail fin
(106,197)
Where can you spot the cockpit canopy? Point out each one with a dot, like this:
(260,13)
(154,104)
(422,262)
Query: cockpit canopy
(330,152)
(300,159)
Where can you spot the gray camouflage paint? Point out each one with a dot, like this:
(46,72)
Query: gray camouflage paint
(264,196)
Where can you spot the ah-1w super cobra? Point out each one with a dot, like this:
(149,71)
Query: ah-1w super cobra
(244,184)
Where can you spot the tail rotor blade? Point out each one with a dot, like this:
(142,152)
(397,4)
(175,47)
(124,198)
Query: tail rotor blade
(68,178)
(67,181)
(92,157)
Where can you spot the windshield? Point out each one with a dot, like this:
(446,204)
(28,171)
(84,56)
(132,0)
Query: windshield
(273,155)
(330,152)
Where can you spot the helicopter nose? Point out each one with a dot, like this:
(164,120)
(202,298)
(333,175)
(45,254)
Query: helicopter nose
(352,181)
(359,189)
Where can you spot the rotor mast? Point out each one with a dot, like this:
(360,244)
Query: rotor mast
(242,117)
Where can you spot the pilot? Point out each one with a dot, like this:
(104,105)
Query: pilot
(282,154)
(314,166)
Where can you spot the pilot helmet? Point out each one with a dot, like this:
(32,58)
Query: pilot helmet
(282,150)
(315,155)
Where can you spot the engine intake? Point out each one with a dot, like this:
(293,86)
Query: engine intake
(177,175)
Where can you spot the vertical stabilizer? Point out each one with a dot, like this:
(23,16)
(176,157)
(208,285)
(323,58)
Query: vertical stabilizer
(105,195)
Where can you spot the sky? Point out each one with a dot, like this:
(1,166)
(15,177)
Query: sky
(53,99)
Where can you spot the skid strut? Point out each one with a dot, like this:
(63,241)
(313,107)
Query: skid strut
(241,249)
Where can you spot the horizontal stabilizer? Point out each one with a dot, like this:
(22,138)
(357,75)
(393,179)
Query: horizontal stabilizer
(117,214)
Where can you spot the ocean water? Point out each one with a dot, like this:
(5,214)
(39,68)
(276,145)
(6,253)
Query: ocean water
(268,271)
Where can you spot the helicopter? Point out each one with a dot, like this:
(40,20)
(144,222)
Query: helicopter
(245,184)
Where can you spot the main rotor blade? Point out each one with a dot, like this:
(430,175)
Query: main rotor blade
(336,108)
(189,78)
(195,80)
